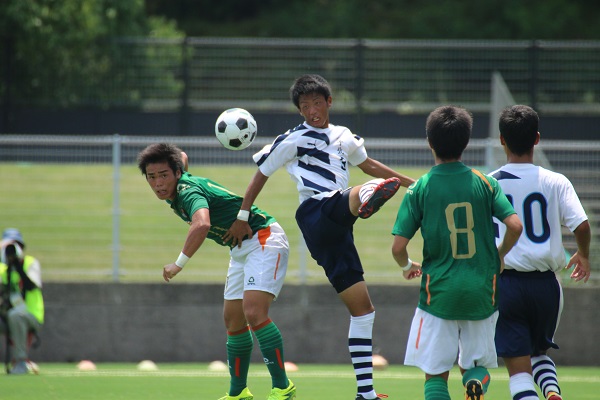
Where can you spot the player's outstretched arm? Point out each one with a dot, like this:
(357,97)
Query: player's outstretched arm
(196,235)
(240,229)
(377,169)
(581,259)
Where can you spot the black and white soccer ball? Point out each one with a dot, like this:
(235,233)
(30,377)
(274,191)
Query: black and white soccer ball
(235,128)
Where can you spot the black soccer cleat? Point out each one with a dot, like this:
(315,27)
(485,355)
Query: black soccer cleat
(474,390)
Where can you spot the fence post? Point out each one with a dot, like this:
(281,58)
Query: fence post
(5,125)
(533,72)
(116,245)
(184,112)
(359,89)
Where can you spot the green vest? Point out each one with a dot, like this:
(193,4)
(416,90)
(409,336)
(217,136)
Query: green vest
(33,298)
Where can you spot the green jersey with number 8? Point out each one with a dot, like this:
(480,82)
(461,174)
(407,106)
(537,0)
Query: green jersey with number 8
(453,205)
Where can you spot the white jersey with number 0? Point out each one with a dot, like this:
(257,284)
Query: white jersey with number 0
(318,160)
(545,201)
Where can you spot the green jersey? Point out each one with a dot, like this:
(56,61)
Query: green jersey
(194,193)
(453,206)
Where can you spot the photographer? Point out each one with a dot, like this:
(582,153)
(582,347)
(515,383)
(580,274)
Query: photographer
(22,307)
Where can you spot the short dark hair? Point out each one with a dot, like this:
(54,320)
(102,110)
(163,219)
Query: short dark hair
(309,84)
(448,131)
(519,128)
(160,152)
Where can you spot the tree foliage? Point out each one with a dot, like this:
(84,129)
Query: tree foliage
(63,50)
(410,19)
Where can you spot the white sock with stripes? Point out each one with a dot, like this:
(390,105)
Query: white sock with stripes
(522,387)
(368,188)
(360,344)
(544,374)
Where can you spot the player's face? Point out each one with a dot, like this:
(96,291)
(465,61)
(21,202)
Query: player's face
(162,180)
(314,108)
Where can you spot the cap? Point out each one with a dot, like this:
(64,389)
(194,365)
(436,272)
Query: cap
(13,234)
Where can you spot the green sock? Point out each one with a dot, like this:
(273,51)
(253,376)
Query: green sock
(271,346)
(239,350)
(479,373)
(436,388)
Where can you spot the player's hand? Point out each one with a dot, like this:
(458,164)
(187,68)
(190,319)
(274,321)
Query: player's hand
(170,270)
(414,271)
(237,232)
(582,268)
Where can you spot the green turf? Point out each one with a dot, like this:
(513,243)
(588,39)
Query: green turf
(195,381)
(65,212)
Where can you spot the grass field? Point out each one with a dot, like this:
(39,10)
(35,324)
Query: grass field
(65,212)
(195,381)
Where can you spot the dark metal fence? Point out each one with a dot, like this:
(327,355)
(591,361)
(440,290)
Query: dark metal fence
(403,76)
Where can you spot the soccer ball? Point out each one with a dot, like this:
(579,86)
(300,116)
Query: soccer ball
(235,128)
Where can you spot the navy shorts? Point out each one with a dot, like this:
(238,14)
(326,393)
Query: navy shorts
(327,226)
(530,304)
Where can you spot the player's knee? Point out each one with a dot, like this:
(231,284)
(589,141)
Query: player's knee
(255,317)
(235,326)
(256,313)
(234,323)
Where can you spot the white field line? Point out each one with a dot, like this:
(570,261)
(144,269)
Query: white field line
(309,374)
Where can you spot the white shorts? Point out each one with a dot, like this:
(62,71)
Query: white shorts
(434,343)
(261,264)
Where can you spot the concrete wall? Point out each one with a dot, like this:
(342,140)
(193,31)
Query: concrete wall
(183,322)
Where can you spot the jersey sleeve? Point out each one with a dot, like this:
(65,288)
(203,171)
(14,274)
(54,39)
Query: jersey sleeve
(275,155)
(501,206)
(409,214)
(572,213)
(357,153)
(192,199)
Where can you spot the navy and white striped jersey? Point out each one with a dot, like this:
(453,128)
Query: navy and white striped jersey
(318,160)
(545,201)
